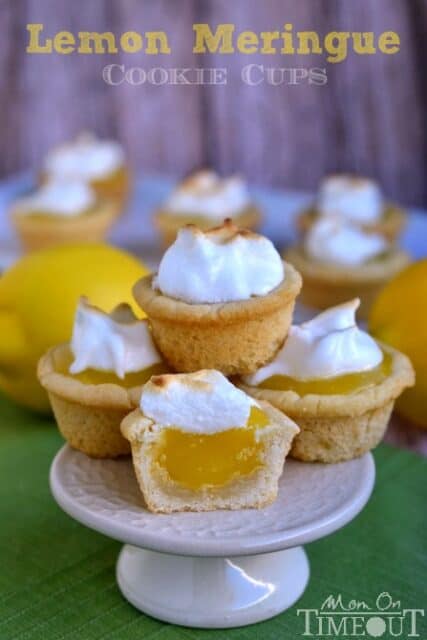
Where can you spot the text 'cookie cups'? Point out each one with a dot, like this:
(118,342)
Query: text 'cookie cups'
(233,467)
(327,284)
(247,307)
(88,415)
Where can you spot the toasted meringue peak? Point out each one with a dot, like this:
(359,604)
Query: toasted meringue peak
(200,402)
(117,342)
(224,264)
(329,345)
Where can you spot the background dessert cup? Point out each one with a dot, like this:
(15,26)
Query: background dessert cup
(205,199)
(100,163)
(358,200)
(390,225)
(328,284)
(42,231)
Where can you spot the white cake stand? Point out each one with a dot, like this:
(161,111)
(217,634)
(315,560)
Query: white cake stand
(219,569)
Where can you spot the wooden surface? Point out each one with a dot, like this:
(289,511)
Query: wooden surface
(368,118)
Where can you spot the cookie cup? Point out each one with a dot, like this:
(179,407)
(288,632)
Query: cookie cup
(327,285)
(168,224)
(390,225)
(88,415)
(232,337)
(334,428)
(39,232)
(254,490)
(114,188)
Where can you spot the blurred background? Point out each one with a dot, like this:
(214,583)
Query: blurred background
(369,118)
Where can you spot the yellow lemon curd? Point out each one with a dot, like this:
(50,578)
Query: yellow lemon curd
(92,376)
(348,383)
(213,460)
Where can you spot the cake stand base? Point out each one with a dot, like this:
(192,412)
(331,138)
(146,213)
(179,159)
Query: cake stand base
(212,592)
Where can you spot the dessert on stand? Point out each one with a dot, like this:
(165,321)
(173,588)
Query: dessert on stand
(211,515)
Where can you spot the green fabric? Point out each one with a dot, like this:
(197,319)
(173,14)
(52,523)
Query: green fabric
(57,577)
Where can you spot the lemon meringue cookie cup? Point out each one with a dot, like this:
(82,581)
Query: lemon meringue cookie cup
(205,199)
(96,380)
(199,444)
(339,260)
(100,163)
(358,200)
(336,382)
(222,299)
(61,211)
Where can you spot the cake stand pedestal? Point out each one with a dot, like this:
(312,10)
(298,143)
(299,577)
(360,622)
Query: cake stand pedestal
(217,569)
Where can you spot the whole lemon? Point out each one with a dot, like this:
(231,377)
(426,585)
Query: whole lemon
(38,297)
(399,318)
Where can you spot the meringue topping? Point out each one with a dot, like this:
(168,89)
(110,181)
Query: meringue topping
(334,240)
(329,345)
(203,402)
(220,265)
(87,158)
(350,197)
(58,197)
(116,342)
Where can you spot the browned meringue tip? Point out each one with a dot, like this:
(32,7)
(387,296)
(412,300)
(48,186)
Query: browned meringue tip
(224,233)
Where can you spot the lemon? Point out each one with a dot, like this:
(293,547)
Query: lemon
(399,318)
(38,297)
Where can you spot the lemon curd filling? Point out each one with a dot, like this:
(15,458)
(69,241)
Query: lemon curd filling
(92,376)
(348,383)
(194,461)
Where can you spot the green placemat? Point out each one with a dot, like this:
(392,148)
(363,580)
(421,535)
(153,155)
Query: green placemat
(57,577)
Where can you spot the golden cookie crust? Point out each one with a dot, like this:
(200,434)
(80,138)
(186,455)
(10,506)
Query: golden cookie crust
(88,416)
(341,427)
(233,337)
(39,233)
(390,226)
(256,490)
(327,285)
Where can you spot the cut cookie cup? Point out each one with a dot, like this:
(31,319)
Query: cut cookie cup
(340,427)
(165,494)
(88,415)
(169,223)
(390,225)
(327,285)
(232,337)
(42,231)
